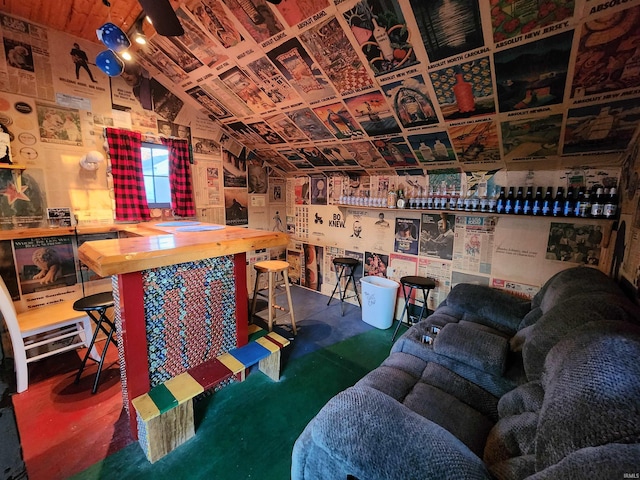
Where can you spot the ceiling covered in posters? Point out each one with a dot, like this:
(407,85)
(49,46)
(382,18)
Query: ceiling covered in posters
(404,86)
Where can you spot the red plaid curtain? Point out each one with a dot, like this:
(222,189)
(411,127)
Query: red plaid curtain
(180,177)
(128,181)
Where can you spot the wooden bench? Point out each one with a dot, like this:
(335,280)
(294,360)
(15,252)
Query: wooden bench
(165,414)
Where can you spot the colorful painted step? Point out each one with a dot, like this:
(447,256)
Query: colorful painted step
(165,413)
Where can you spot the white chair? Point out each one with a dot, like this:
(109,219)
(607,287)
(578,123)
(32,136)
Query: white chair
(43,327)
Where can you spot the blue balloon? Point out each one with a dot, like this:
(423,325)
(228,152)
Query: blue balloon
(113,37)
(110,63)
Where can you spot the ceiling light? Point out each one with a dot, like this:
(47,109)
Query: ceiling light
(126,55)
(138,32)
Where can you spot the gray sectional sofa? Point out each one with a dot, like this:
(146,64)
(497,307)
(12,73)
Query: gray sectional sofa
(507,389)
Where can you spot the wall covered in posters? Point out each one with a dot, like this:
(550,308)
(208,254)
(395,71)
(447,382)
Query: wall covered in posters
(351,98)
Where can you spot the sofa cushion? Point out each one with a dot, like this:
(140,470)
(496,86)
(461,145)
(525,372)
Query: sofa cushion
(477,348)
(417,384)
(571,282)
(512,436)
(565,317)
(525,398)
(592,386)
(606,462)
(373,437)
(514,468)
(490,306)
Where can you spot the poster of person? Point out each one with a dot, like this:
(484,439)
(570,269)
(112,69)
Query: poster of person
(406,240)
(18,54)
(278,220)
(59,125)
(318,190)
(235,203)
(437,233)
(44,263)
(257,176)
(26,67)
(375,264)
(574,243)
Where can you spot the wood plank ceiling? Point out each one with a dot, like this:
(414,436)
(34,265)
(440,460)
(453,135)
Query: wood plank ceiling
(79,18)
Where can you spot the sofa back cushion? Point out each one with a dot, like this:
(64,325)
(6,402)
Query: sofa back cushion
(567,315)
(475,347)
(488,306)
(572,282)
(592,387)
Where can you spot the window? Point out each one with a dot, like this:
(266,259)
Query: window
(155,168)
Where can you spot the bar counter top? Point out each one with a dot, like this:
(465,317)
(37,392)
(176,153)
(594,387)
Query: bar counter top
(153,245)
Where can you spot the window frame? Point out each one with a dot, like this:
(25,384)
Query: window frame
(153,176)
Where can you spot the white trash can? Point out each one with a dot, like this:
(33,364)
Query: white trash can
(378,300)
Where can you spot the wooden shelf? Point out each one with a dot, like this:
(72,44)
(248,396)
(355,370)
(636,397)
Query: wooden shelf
(12,166)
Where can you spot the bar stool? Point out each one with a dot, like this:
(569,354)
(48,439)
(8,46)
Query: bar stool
(272,268)
(343,263)
(414,283)
(96,307)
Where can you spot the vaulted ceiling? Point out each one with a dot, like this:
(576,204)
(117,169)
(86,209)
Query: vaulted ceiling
(80,18)
(316,85)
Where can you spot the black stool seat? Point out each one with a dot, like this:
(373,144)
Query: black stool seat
(349,262)
(340,265)
(97,304)
(414,282)
(418,282)
(94,302)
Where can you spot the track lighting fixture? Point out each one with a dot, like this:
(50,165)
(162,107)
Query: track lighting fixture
(138,33)
(163,17)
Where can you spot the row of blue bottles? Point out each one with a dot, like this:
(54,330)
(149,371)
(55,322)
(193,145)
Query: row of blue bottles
(598,204)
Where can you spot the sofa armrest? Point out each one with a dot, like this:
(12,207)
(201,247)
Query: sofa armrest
(367,434)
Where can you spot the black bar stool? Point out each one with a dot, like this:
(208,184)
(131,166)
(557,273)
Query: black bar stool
(340,264)
(414,283)
(93,305)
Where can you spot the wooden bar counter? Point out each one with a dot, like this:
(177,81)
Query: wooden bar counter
(180,292)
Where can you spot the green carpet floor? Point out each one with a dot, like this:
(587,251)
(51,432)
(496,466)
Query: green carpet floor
(247,430)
